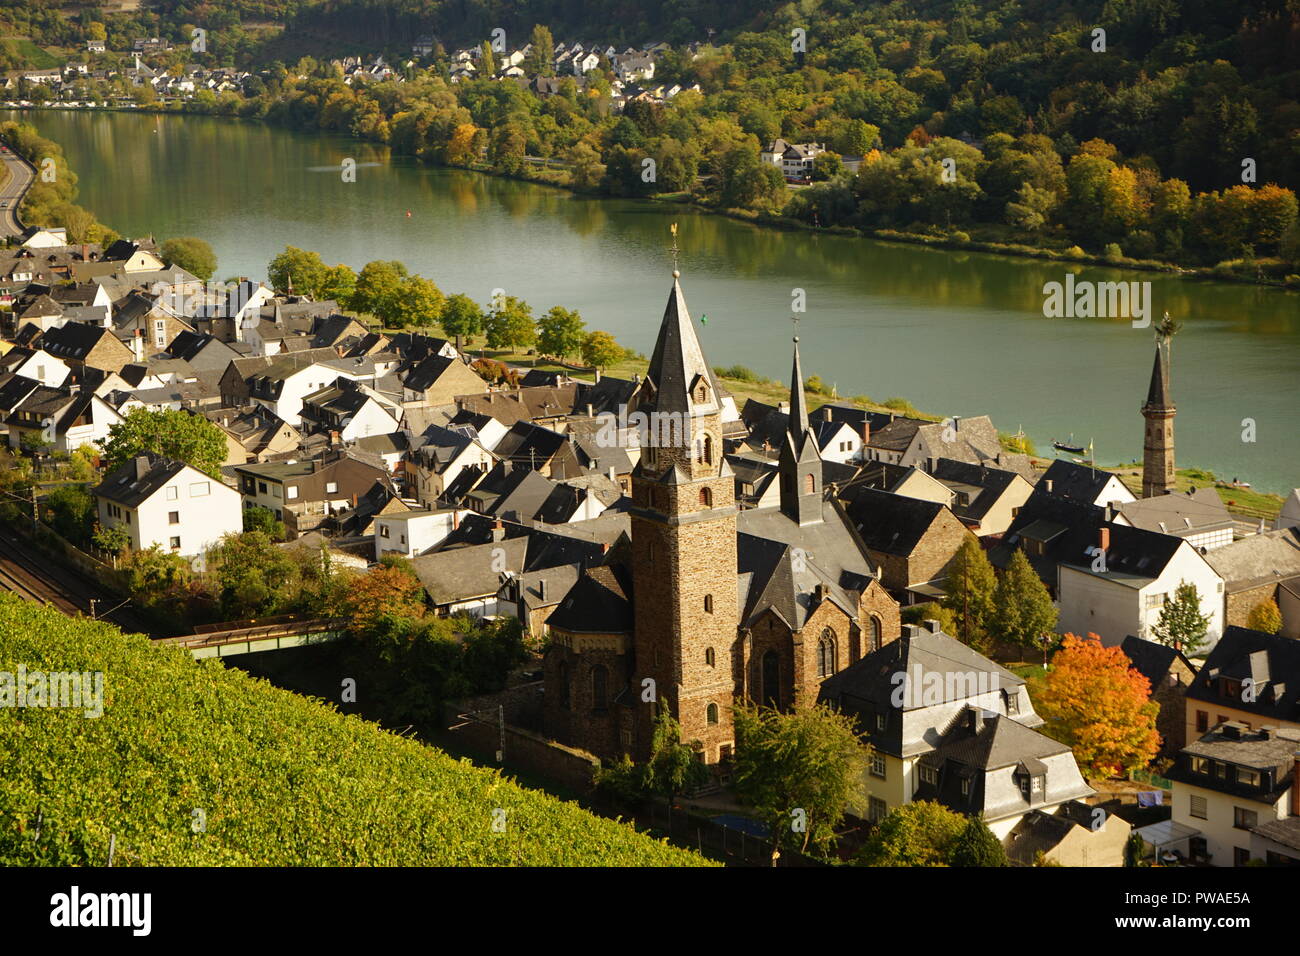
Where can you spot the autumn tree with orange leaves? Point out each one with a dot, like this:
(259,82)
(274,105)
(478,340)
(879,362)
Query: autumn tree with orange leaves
(1099,706)
(385,591)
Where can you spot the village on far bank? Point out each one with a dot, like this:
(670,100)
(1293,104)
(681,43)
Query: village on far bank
(775,545)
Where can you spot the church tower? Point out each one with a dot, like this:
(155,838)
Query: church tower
(1158,446)
(800,469)
(683,515)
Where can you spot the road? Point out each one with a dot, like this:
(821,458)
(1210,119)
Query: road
(35,576)
(21,175)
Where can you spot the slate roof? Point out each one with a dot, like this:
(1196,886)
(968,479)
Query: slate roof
(1271,661)
(1158,391)
(1179,514)
(893,524)
(992,482)
(1259,559)
(598,603)
(136,481)
(677,361)
(1072,481)
(1152,660)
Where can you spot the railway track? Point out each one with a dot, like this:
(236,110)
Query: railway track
(37,577)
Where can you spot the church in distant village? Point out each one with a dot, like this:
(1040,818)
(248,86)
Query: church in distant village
(710,605)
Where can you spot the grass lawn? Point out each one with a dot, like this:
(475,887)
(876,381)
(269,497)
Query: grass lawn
(1243,501)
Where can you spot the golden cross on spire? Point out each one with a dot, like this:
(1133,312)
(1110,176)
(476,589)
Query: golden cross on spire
(673,229)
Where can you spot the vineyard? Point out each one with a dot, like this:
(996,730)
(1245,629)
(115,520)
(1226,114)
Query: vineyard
(192,764)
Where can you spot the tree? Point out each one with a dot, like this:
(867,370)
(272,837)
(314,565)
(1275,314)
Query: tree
(170,433)
(1134,849)
(923,833)
(600,350)
(156,576)
(585,168)
(418,304)
(191,254)
(510,325)
(1099,706)
(972,585)
(800,771)
(1265,616)
(560,332)
(540,60)
(461,316)
(72,511)
(379,289)
(114,540)
(383,592)
(1181,624)
(255,576)
(977,846)
(1024,611)
(264,520)
(673,767)
(339,284)
(297,269)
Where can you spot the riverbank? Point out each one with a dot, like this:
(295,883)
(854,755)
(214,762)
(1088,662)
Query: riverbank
(1268,273)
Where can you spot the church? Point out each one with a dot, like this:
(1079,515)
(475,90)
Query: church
(708,605)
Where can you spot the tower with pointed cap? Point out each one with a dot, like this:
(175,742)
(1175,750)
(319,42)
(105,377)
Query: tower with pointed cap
(683,519)
(1158,445)
(801,463)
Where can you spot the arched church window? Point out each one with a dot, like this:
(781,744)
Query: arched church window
(708,604)
(711,714)
(708,449)
(877,633)
(809,484)
(706,498)
(826,653)
(708,656)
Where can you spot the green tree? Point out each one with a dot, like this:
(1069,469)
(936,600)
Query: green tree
(156,576)
(1181,624)
(378,290)
(1024,611)
(71,512)
(923,833)
(264,520)
(255,576)
(1134,849)
(600,350)
(170,433)
(419,304)
(560,332)
(114,540)
(297,269)
(1265,616)
(339,283)
(977,846)
(461,317)
(673,767)
(540,60)
(510,325)
(193,255)
(801,772)
(972,586)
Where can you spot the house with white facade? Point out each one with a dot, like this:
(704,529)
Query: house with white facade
(947,724)
(411,533)
(164,502)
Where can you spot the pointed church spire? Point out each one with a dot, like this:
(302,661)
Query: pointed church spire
(678,366)
(798,402)
(1158,392)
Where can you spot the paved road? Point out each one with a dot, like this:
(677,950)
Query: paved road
(21,176)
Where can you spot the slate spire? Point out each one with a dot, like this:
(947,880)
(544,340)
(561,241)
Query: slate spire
(800,467)
(678,364)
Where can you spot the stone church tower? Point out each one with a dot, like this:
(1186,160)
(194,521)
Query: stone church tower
(1159,410)
(683,520)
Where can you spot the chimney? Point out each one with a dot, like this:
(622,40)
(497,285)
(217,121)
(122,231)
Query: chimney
(498,531)
(141,466)
(933,626)
(1103,538)
(866,431)
(973,719)
(541,589)
(590,412)
(826,413)
(956,423)
(598,375)
(1048,483)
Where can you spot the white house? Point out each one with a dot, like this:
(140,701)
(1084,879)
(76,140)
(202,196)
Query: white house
(350,408)
(164,502)
(410,533)
(1117,585)
(44,368)
(63,418)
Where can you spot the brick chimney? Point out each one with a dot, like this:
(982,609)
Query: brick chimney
(1103,538)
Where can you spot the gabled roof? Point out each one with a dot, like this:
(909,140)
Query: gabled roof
(1072,481)
(893,524)
(598,603)
(1152,660)
(139,479)
(1259,559)
(1271,661)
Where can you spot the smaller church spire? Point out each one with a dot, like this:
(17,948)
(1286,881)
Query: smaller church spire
(798,401)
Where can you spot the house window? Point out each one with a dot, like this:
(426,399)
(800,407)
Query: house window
(711,714)
(383,531)
(173,517)
(261,487)
(708,604)
(1197,807)
(929,775)
(1243,819)
(878,765)
(1013,702)
(160,332)
(1200,765)
(176,544)
(1240,856)
(331,487)
(708,656)
(277,491)
(1202,721)
(725,752)
(128,517)
(826,654)
(881,721)
(965,786)
(172,492)
(291,492)
(1249,778)
(877,809)
(200,489)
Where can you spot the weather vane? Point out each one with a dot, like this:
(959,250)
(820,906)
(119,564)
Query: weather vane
(795,320)
(673,229)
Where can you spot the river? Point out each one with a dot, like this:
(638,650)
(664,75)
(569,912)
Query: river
(956,333)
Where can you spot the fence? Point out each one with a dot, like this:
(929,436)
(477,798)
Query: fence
(735,847)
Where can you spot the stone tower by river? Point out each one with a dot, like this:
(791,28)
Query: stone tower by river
(1159,410)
